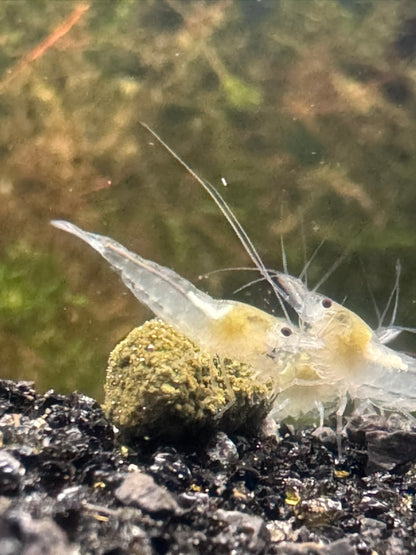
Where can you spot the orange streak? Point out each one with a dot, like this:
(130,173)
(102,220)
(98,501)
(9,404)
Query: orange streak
(57,34)
(48,42)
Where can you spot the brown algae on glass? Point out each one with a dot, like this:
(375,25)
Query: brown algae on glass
(159,383)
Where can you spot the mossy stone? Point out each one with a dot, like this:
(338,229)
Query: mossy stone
(159,383)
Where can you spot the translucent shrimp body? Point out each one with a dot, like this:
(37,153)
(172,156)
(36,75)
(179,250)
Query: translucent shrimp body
(353,357)
(228,328)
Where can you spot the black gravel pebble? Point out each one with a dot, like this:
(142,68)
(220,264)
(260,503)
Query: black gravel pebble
(68,486)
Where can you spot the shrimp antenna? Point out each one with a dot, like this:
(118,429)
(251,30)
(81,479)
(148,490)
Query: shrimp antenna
(394,294)
(397,287)
(282,244)
(340,259)
(239,269)
(249,284)
(387,334)
(331,270)
(235,269)
(304,250)
(229,215)
(311,259)
(284,258)
(371,293)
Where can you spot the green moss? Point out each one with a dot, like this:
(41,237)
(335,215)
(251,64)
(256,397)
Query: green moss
(159,383)
(240,94)
(37,337)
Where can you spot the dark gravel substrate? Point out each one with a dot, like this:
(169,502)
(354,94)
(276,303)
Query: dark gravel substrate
(68,485)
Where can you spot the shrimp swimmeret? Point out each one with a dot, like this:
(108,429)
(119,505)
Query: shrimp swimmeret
(231,329)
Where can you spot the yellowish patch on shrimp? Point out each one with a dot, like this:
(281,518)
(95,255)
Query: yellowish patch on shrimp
(352,332)
(243,331)
(244,322)
(347,336)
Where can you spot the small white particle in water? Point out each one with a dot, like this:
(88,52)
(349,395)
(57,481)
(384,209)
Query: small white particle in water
(151,143)
(109,182)
(224,181)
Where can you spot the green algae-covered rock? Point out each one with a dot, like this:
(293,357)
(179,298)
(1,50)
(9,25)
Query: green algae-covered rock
(159,383)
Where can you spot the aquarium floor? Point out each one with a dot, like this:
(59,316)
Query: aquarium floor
(68,484)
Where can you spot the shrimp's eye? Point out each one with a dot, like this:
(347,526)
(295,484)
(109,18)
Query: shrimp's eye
(286,332)
(327,303)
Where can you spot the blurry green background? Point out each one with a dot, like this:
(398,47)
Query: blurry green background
(307,108)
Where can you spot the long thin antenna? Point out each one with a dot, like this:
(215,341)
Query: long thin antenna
(304,250)
(331,270)
(240,269)
(370,292)
(247,285)
(397,287)
(395,293)
(309,262)
(340,259)
(284,258)
(236,269)
(229,215)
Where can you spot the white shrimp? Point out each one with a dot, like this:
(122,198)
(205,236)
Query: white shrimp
(348,356)
(353,356)
(231,329)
